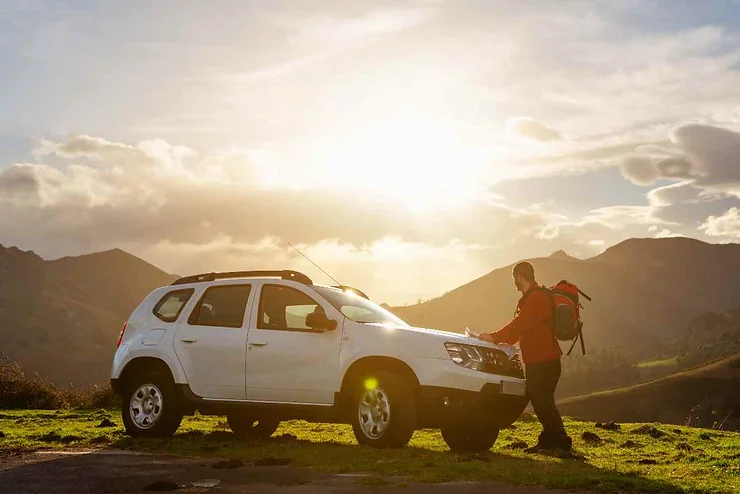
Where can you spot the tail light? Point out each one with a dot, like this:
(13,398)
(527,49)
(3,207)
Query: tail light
(120,336)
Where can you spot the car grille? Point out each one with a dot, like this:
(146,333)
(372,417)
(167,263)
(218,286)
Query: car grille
(496,362)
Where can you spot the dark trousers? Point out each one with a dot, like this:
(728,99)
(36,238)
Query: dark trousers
(542,379)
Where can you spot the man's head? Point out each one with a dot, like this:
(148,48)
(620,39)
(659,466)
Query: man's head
(523,275)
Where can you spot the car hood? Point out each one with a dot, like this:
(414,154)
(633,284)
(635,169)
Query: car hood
(422,338)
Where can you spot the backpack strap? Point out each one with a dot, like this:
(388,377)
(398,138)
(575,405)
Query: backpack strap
(547,291)
(584,295)
(578,336)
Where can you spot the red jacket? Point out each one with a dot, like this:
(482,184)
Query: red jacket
(531,328)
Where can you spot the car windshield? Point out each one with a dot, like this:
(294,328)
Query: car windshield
(357,308)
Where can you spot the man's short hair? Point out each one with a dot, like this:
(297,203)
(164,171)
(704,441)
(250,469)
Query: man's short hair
(525,269)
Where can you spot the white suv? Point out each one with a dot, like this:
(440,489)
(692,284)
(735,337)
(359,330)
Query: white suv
(265,346)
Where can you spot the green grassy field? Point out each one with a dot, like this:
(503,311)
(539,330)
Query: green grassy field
(686,460)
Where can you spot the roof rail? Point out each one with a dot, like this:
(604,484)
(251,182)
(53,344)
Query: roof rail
(346,288)
(285,274)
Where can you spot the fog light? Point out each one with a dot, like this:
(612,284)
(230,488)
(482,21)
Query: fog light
(447,401)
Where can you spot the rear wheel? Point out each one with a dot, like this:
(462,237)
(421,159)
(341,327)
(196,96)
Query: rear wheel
(384,414)
(150,406)
(249,427)
(461,438)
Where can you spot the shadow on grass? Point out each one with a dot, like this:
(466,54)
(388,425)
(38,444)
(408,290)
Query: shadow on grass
(414,463)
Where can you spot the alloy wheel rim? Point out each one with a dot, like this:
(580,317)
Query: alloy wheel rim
(374,413)
(145,407)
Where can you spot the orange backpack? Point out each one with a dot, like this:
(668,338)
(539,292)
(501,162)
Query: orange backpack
(567,324)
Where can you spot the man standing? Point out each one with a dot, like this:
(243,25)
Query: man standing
(532,329)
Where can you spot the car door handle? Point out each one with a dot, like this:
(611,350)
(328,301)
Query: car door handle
(188,340)
(256,343)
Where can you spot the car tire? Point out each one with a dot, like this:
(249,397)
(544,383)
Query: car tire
(151,407)
(460,438)
(247,427)
(384,411)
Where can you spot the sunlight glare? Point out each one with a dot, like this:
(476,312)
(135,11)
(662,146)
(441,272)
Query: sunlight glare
(420,162)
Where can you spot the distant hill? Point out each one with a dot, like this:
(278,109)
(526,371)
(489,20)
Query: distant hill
(61,318)
(644,292)
(704,396)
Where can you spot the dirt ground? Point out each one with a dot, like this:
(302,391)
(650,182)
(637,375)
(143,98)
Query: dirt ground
(110,471)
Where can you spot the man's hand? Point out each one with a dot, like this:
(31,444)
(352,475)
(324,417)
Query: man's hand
(479,336)
(486,337)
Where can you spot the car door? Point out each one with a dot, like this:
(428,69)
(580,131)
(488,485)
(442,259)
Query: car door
(211,344)
(287,361)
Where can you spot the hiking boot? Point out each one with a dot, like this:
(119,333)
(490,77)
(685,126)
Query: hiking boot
(565,444)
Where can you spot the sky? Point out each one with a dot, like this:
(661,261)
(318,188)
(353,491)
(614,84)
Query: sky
(405,147)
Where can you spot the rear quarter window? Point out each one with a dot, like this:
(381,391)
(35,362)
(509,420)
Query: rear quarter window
(170,306)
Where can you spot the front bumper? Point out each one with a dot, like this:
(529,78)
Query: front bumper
(440,407)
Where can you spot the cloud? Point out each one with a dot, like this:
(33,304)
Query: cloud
(621,217)
(533,130)
(726,225)
(639,170)
(587,156)
(18,182)
(548,232)
(153,191)
(344,29)
(675,167)
(666,233)
(682,206)
(715,151)
(703,156)
(189,212)
(678,193)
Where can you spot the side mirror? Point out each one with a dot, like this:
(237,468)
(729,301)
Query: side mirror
(319,320)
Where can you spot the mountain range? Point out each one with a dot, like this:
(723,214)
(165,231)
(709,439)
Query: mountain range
(61,318)
(645,292)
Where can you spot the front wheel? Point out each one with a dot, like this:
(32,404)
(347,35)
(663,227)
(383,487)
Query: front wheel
(469,439)
(384,411)
(150,406)
(246,427)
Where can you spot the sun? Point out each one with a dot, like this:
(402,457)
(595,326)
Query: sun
(421,162)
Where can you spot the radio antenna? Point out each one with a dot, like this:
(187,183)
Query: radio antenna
(309,260)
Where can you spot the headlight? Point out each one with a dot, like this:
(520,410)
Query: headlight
(465,355)
(484,359)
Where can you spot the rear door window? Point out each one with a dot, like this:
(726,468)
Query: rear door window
(171,304)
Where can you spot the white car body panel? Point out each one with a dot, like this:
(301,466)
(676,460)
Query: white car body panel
(279,366)
(293,366)
(148,336)
(421,349)
(214,358)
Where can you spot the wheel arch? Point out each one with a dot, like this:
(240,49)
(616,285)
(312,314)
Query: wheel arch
(141,365)
(370,364)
